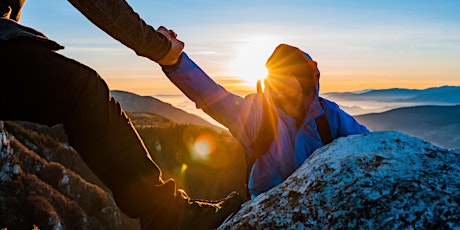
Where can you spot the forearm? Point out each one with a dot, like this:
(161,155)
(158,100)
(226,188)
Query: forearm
(195,83)
(119,20)
(228,109)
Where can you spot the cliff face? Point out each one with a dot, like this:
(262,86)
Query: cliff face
(382,180)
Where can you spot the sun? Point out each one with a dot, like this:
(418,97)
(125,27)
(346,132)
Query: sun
(251,55)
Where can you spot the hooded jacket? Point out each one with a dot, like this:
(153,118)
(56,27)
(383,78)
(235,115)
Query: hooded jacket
(243,117)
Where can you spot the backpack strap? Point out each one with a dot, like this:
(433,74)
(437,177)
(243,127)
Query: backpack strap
(322,126)
(323,129)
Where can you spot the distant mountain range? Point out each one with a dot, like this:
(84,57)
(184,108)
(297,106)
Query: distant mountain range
(443,94)
(376,101)
(437,124)
(432,114)
(447,96)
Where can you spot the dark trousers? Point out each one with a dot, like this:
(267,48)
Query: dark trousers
(42,86)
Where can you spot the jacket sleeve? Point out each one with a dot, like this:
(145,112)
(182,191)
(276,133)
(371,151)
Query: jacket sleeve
(119,20)
(240,115)
(348,124)
(341,123)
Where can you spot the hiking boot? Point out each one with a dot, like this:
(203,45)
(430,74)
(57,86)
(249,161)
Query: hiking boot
(201,214)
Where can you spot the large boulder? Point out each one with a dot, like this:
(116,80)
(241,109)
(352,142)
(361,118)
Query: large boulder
(381,180)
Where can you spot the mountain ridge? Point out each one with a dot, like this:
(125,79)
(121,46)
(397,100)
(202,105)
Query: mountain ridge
(438,124)
(132,102)
(390,94)
(448,96)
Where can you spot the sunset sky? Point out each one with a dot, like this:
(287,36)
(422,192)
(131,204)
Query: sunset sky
(358,44)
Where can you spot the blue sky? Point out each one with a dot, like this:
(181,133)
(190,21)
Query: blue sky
(358,44)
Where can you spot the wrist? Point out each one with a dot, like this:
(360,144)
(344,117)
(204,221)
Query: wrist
(171,68)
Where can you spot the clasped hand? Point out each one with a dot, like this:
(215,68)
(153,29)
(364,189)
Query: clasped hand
(176,47)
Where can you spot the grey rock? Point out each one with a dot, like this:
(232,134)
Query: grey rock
(381,180)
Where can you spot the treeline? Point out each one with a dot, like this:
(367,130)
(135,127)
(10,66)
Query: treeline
(209,176)
(40,134)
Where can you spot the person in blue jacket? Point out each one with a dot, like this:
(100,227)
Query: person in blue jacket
(291,90)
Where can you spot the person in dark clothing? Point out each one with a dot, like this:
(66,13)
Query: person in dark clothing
(45,87)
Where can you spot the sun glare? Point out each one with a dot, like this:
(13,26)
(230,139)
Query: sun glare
(252,54)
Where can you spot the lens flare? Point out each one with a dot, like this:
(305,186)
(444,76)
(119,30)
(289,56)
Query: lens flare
(183,168)
(203,146)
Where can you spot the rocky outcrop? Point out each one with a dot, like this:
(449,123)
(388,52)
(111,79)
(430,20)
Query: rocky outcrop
(382,180)
(35,191)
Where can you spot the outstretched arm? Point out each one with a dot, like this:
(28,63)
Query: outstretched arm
(240,115)
(222,105)
(119,20)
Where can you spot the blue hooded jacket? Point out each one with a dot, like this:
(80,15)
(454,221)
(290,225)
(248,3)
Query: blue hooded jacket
(243,117)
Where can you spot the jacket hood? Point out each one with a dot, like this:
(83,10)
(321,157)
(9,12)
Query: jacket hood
(289,60)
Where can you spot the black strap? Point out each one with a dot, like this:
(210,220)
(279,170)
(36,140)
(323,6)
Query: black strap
(322,125)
